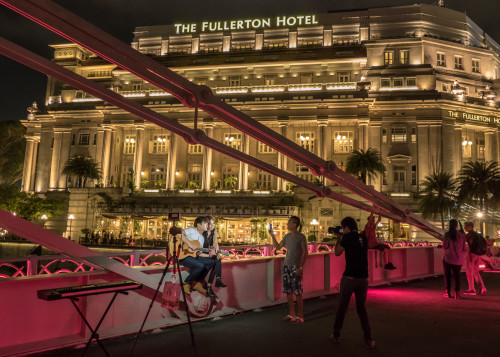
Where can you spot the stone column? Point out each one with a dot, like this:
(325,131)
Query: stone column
(375,142)
(64,157)
(172,161)
(243,172)
(322,125)
(457,146)
(363,133)
(34,166)
(28,164)
(54,167)
(282,159)
(139,150)
(44,158)
(207,159)
(490,146)
(106,155)
(450,162)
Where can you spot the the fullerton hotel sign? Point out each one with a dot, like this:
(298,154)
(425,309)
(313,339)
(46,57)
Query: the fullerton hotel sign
(259,23)
(474,117)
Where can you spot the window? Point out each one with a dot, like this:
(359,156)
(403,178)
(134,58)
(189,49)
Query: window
(444,87)
(73,139)
(306,78)
(388,57)
(129,146)
(413,135)
(303,172)
(441,59)
(136,86)
(459,62)
(84,139)
(270,80)
(398,135)
(306,140)
(195,149)
(234,81)
(233,140)
(475,66)
(414,175)
(159,144)
(385,82)
(194,175)
(404,56)
(466,147)
(200,80)
(326,212)
(265,149)
(411,82)
(398,82)
(384,135)
(343,76)
(264,180)
(480,148)
(157,176)
(127,174)
(399,176)
(342,141)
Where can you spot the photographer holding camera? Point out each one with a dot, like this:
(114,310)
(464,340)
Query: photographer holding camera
(354,279)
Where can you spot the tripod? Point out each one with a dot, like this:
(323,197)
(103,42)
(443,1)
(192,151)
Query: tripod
(174,231)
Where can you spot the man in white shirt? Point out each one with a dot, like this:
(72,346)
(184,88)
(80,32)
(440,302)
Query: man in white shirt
(201,265)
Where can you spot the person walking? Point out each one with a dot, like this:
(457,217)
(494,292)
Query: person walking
(293,267)
(454,252)
(354,280)
(477,248)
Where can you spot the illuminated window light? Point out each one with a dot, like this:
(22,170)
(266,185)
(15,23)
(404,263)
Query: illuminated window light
(231,91)
(151,190)
(400,194)
(223,191)
(268,89)
(158,94)
(186,191)
(304,88)
(262,192)
(132,140)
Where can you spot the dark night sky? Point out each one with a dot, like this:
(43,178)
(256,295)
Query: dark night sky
(20,85)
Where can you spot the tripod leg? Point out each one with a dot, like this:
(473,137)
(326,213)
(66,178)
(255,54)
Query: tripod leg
(176,262)
(150,306)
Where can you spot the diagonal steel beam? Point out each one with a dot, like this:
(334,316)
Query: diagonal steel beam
(77,30)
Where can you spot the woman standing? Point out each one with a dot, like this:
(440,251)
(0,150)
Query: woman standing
(293,266)
(454,247)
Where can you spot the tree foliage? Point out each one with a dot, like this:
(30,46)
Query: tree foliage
(83,167)
(366,165)
(437,195)
(12,148)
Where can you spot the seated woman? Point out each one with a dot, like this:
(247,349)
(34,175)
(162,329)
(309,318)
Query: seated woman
(212,242)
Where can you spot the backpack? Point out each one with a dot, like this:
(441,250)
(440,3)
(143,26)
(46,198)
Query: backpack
(478,244)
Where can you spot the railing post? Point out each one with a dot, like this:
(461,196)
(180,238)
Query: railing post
(32,265)
(135,258)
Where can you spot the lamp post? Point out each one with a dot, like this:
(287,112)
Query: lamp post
(481,222)
(44,219)
(315,224)
(71,218)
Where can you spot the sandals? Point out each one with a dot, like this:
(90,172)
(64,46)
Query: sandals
(298,320)
(289,318)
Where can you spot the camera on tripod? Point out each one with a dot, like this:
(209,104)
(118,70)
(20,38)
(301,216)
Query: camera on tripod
(335,230)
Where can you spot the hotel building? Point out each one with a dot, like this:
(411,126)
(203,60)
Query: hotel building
(418,83)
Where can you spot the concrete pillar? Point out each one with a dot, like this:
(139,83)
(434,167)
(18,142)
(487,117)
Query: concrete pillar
(54,167)
(322,127)
(451,161)
(64,157)
(243,172)
(34,166)
(139,150)
(457,146)
(282,159)
(172,161)
(106,156)
(206,176)
(363,133)
(490,146)
(28,164)
(375,142)
(44,157)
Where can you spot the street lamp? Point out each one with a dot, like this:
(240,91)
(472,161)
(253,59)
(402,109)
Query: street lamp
(481,222)
(71,218)
(43,218)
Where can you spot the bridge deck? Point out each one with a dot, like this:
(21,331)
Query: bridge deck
(408,319)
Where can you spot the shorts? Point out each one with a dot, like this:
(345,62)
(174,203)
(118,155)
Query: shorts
(291,282)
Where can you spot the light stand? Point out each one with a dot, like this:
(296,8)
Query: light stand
(174,231)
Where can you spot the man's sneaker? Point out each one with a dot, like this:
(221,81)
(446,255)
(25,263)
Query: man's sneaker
(334,339)
(389,266)
(187,288)
(470,292)
(199,288)
(370,344)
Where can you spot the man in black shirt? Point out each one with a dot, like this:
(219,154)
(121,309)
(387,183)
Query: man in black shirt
(354,279)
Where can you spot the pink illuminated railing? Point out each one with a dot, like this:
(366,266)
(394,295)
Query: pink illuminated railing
(56,264)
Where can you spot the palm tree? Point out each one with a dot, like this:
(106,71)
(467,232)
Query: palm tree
(83,167)
(365,164)
(437,195)
(478,184)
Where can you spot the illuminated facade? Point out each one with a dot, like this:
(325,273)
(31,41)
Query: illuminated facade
(418,83)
